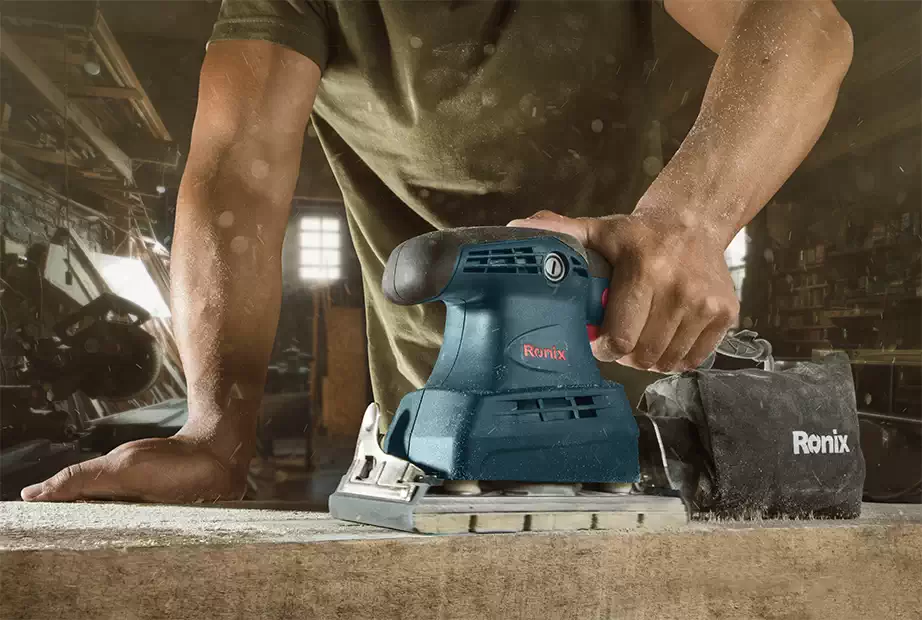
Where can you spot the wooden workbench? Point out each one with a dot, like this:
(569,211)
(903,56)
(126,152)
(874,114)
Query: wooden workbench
(128,561)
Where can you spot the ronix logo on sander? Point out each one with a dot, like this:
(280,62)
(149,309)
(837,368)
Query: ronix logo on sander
(552,353)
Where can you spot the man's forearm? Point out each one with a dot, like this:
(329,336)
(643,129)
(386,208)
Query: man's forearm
(234,201)
(226,295)
(767,102)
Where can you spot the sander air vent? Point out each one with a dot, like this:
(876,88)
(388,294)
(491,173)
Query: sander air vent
(552,409)
(502,260)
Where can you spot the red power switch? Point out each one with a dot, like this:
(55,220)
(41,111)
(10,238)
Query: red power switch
(594,330)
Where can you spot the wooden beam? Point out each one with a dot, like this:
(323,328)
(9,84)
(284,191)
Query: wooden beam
(32,72)
(110,52)
(53,15)
(103,92)
(125,197)
(50,49)
(149,150)
(125,203)
(114,188)
(48,156)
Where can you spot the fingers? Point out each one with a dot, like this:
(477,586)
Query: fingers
(629,302)
(660,330)
(696,338)
(673,358)
(91,479)
(548,220)
(152,470)
(669,306)
(707,342)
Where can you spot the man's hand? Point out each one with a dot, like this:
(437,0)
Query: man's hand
(671,299)
(179,469)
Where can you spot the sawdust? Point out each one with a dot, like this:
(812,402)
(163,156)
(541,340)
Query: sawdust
(105,525)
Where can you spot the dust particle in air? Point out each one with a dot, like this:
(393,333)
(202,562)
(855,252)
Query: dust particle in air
(226,219)
(239,245)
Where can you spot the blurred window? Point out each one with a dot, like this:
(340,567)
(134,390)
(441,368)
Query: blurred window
(735,255)
(321,248)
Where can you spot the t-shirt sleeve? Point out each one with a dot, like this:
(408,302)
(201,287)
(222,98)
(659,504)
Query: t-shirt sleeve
(300,25)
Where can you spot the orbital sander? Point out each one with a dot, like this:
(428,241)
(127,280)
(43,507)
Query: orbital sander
(515,429)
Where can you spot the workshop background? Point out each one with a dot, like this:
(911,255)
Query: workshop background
(96,107)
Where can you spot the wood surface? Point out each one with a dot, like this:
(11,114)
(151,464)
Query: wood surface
(117,561)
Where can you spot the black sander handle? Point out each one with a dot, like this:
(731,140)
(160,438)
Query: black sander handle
(420,268)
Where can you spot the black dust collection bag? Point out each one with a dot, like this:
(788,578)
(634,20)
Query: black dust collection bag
(769,441)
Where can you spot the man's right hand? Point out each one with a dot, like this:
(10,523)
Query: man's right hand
(178,469)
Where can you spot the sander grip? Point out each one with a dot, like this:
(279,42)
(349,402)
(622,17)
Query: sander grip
(419,269)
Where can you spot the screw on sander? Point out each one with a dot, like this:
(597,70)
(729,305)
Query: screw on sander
(515,397)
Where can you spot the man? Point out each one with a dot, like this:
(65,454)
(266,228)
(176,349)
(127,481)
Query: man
(454,113)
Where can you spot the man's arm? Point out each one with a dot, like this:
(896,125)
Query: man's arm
(254,102)
(768,100)
(233,207)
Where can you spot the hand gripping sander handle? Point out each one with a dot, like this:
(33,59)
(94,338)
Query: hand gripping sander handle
(423,269)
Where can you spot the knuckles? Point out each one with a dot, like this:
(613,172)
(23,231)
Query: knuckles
(64,477)
(129,456)
(688,278)
(608,348)
(644,357)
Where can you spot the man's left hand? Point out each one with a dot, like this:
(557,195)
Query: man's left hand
(671,298)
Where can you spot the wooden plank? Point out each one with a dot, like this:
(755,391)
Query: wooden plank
(133,207)
(213,562)
(122,201)
(59,102)
(150,150)
(115,188)
(112,55)
(49,51)
(345,384)
(103,92)
(55,15)
(48,156)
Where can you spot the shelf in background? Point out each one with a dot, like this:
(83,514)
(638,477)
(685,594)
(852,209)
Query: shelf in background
(850,314)
(805,309)
(806,327)
(803,269)
(874,248)
(853,301)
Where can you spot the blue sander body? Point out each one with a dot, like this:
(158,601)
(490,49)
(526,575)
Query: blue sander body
(515,394)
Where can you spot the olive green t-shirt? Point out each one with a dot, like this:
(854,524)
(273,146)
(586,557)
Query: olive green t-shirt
(443,113)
